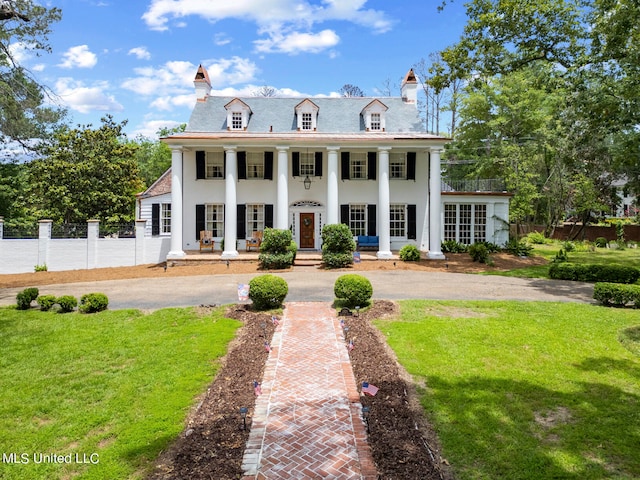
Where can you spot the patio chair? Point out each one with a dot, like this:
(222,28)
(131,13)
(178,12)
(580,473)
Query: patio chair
(254,241)
(206,239)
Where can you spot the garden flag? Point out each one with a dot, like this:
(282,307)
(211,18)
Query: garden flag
(274,319)
(257,389)
(243,292)
(369,389)
(350,346)
(267,347)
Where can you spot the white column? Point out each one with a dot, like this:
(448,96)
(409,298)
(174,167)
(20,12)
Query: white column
(231,204)
(93,233)
(176,251)
(44,239)
(384,233)
(141,226)
(435,204)
(333,206)
(282,214)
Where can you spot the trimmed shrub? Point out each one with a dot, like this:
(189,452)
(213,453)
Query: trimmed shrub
(614,294)
(569,246)
(93,302)
(337,246)
(451,246)
(275,249)
(561,256)
(409,253)
(267,291)
(479,253)
(293,248)
(67,303)
(46,302)
(491,247)
(354,290)
(601,242)
(25,297)
(594,273)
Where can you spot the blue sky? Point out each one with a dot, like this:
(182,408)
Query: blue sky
(136,60)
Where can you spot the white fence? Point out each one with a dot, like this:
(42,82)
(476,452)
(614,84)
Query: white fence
(22,255)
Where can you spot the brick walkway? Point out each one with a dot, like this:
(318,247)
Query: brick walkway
(307,423)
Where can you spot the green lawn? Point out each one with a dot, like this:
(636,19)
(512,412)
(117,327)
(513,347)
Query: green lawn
(604,256)
(116,385)
(526,390)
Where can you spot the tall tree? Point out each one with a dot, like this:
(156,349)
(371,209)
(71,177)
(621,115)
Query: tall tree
(153,156)
(23,115)
(86,173)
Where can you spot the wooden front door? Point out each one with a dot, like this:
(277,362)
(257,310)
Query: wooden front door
(307,230)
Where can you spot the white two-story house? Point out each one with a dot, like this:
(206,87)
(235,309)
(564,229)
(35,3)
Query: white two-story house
(244,164)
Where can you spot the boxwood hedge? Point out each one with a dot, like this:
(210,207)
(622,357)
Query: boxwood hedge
(594,273)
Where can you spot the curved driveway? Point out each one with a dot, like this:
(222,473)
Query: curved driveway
(308,284)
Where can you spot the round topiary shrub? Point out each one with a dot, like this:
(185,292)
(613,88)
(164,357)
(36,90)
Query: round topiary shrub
(409,253)
(354,290)
(337,246)
(278,250)
(25,297)
(93,302)
(46,302)
(67,303)
(267,291)
(479,253)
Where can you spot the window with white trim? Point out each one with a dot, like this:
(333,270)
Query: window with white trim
(255,165)
(255,218)
(398,165)
(307,121)
(358,165)
(236,121)
(307,164)
(358,218)
(214,165)
(165,218)
(376,123)
(450,221)
(480,223)
(465,222)
(214,219)
(398,220)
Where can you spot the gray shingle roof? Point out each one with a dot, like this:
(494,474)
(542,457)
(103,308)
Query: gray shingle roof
(277,115)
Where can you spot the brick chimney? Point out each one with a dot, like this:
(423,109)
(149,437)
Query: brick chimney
(409,88)
(202,84)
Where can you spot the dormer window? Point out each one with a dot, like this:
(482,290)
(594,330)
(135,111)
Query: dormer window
(373,115)
(238,114)
(307,115)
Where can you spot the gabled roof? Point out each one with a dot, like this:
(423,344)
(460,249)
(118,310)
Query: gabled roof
(160,187)
(236,101)
(306,101)
(375,102)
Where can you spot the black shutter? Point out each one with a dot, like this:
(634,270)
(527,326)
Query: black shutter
(268,165)
(318,169)
(371,220)
(200,165)
(242,165)
(200,225)
(268,216)
(345,165)
(411,222)
(411,166)
(372,165)
(295,163)
(344,214)
(241,228)
(155,219)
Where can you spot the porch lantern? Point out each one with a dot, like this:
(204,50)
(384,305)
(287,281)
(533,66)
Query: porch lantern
(307,183)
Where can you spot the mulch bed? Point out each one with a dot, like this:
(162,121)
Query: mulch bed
(212,444)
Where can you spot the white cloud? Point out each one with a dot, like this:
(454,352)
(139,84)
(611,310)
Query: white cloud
(171,85)
(273,17)
(296,42)
(76,96)
(150,128)
(141,53)
(79,56)
(221,39)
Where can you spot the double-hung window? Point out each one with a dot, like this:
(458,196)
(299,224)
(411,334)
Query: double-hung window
(358,165)
(398,220)
(307,121)
(165,218)
(255,218)
(376,123)
(398,165)
(358,218)
(214,219)
(255,165)
(215,165)
(307,164)
(236,121)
